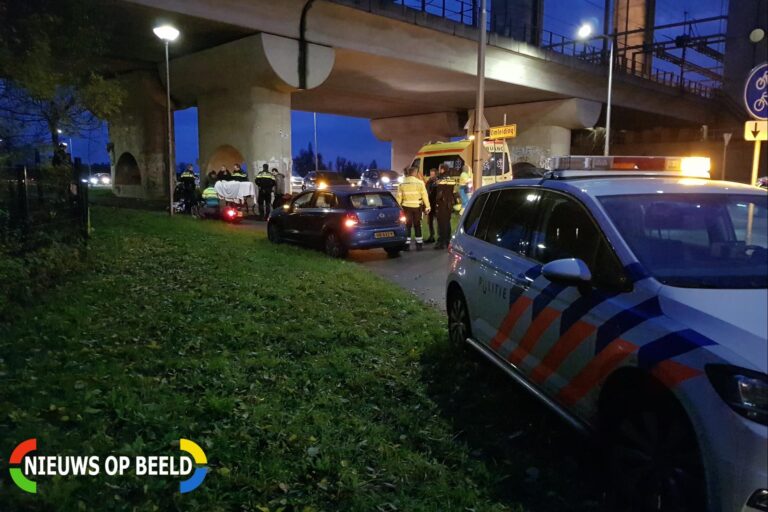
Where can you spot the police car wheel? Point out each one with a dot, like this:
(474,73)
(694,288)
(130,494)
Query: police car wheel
(334,247)
(458,319)
(273,233)
(653,459)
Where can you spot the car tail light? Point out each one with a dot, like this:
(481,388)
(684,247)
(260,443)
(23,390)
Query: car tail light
(351,220)
(403,220)
(230,213)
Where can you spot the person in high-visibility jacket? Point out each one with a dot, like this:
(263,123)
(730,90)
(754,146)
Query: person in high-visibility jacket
(238,174)
(188,188)
(465,181)
(412,196)
(265,181)
(211,201)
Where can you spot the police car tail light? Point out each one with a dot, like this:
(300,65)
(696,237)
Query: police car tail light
(402,218)
(351,220)
(745,391)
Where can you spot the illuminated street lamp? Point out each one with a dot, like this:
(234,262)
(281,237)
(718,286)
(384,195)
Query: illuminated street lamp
(585,32)
(168,34)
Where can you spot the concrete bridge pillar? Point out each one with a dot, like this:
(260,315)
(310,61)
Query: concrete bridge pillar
(138,138)
(248,125)
(409,133)
(243,93)
(544,127)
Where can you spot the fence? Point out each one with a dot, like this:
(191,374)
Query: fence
(40,206)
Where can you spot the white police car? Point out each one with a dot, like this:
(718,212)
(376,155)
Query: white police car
(633,303)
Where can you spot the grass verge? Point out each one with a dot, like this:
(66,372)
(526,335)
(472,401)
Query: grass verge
(310,384)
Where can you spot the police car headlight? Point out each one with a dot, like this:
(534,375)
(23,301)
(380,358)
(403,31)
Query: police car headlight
(400,179)
(745,391)
(384,179)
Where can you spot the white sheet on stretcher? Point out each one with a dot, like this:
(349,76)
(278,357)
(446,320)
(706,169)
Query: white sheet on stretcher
(234,190)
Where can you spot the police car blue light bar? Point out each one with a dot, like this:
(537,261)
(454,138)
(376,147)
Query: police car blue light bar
(693,167)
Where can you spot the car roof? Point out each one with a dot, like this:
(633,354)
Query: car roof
(634,185)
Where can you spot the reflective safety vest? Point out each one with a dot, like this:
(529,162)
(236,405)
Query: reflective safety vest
(210,196)
(265,179)
(239,175)
(465,178)
(187,175)
(412,193)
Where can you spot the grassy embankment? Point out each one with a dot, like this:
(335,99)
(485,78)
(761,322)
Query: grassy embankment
(310,384)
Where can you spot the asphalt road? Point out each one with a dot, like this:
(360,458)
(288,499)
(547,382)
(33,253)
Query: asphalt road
(421,273)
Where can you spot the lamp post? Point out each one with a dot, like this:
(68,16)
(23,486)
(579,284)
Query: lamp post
(479,129)
(168,34)
(585,32)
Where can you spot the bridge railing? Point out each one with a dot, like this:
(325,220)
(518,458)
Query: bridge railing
(630,65)
(628,60)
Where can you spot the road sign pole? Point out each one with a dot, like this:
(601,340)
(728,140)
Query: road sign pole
(477,174)
(726,140)
(751,209)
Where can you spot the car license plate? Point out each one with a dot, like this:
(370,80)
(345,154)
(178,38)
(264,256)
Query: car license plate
(384,234)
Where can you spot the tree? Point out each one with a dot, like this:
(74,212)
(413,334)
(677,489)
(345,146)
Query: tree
(53,72)
(304,162)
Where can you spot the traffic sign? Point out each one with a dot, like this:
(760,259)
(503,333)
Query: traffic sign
(756,130)
(508,131)
(756,92)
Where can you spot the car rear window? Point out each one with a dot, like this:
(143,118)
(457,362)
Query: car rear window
(373,200)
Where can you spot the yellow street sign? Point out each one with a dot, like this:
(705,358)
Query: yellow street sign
(503,132)
(756,130)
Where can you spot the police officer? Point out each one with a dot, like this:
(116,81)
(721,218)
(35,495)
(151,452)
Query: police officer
(265,181)
(238,174)
(444,201)
(432,193)
(412,196)
(188,190)
(224,174)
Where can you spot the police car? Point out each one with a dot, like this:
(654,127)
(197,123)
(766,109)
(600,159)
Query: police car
(630,295)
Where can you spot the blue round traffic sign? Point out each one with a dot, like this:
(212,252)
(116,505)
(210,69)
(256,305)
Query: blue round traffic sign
(756,92)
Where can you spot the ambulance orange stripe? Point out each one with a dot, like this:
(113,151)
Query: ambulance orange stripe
(672,373)
(533,334)
(514,314)
(567,343)
(596,371)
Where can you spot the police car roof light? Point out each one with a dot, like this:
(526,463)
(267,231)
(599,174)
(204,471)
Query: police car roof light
(694,167)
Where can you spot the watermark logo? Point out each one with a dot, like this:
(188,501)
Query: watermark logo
(21,481)
(24,465)
(199,457)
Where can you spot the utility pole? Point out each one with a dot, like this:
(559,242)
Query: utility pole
(314,119)
(479,132)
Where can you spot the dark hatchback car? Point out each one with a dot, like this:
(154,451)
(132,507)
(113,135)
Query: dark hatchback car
(339,219)
(323,179)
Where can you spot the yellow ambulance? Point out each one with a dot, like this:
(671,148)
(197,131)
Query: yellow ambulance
(496,162)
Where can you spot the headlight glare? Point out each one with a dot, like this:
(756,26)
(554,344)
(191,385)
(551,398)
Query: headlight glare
(745,391)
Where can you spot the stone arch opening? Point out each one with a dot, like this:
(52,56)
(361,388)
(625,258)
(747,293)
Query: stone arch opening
(127,170)
(225,155)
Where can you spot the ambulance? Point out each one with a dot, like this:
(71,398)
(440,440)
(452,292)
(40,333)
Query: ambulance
(497,165)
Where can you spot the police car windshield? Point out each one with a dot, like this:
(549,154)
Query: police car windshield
(696,241)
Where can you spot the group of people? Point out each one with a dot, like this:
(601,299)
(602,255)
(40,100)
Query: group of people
(268,183)
(433,197)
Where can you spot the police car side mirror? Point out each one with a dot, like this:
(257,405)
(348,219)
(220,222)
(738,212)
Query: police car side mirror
(570,271)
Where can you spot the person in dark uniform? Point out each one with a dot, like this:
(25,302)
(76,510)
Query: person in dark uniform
(432,193)
(238,174)
(444,201)
(224,174)
(265,181)
(188,188)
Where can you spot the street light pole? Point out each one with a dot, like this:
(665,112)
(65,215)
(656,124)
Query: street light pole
(584,33)
(170,136)
(168,34)
(607,148)
(479,131)
(314,119)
